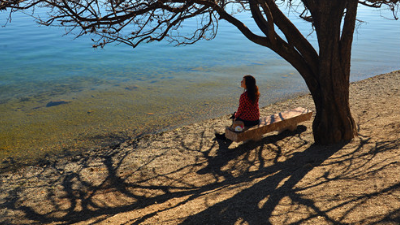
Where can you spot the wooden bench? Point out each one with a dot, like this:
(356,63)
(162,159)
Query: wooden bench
(287,120)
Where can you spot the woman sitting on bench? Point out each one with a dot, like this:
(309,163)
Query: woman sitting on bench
(248,111)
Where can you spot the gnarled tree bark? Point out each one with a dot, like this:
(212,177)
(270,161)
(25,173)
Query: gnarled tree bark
(333,121)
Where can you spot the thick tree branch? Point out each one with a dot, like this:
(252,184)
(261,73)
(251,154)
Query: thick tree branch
(295,38)
(265,25)
(242,27)
(348,30)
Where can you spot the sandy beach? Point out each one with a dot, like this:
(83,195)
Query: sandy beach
(186,176)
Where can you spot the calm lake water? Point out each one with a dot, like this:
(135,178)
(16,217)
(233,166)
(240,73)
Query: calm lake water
(116,93)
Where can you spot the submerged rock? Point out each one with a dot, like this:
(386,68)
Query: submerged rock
(58,102)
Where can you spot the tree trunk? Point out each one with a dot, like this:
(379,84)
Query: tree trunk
(333,122)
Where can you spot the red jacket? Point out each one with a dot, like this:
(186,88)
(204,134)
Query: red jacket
(247,110)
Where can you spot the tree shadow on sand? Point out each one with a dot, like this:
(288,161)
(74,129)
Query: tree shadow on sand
(204,181)
(279,199)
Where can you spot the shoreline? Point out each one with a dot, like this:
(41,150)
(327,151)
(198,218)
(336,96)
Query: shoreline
(92,119)
(303,100)
(185,176)
(95,118)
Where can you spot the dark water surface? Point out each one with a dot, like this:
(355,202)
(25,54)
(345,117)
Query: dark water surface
(58,94)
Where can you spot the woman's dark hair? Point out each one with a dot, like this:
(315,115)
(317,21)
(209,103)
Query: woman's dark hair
(252,89)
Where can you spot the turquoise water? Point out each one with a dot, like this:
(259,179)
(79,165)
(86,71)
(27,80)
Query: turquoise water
(119,92)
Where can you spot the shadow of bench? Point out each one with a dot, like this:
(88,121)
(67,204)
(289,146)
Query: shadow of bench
(286,120)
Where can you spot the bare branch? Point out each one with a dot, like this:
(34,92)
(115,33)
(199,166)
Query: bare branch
(393,5)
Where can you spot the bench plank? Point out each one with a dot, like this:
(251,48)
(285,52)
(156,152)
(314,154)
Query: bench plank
(277,122)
